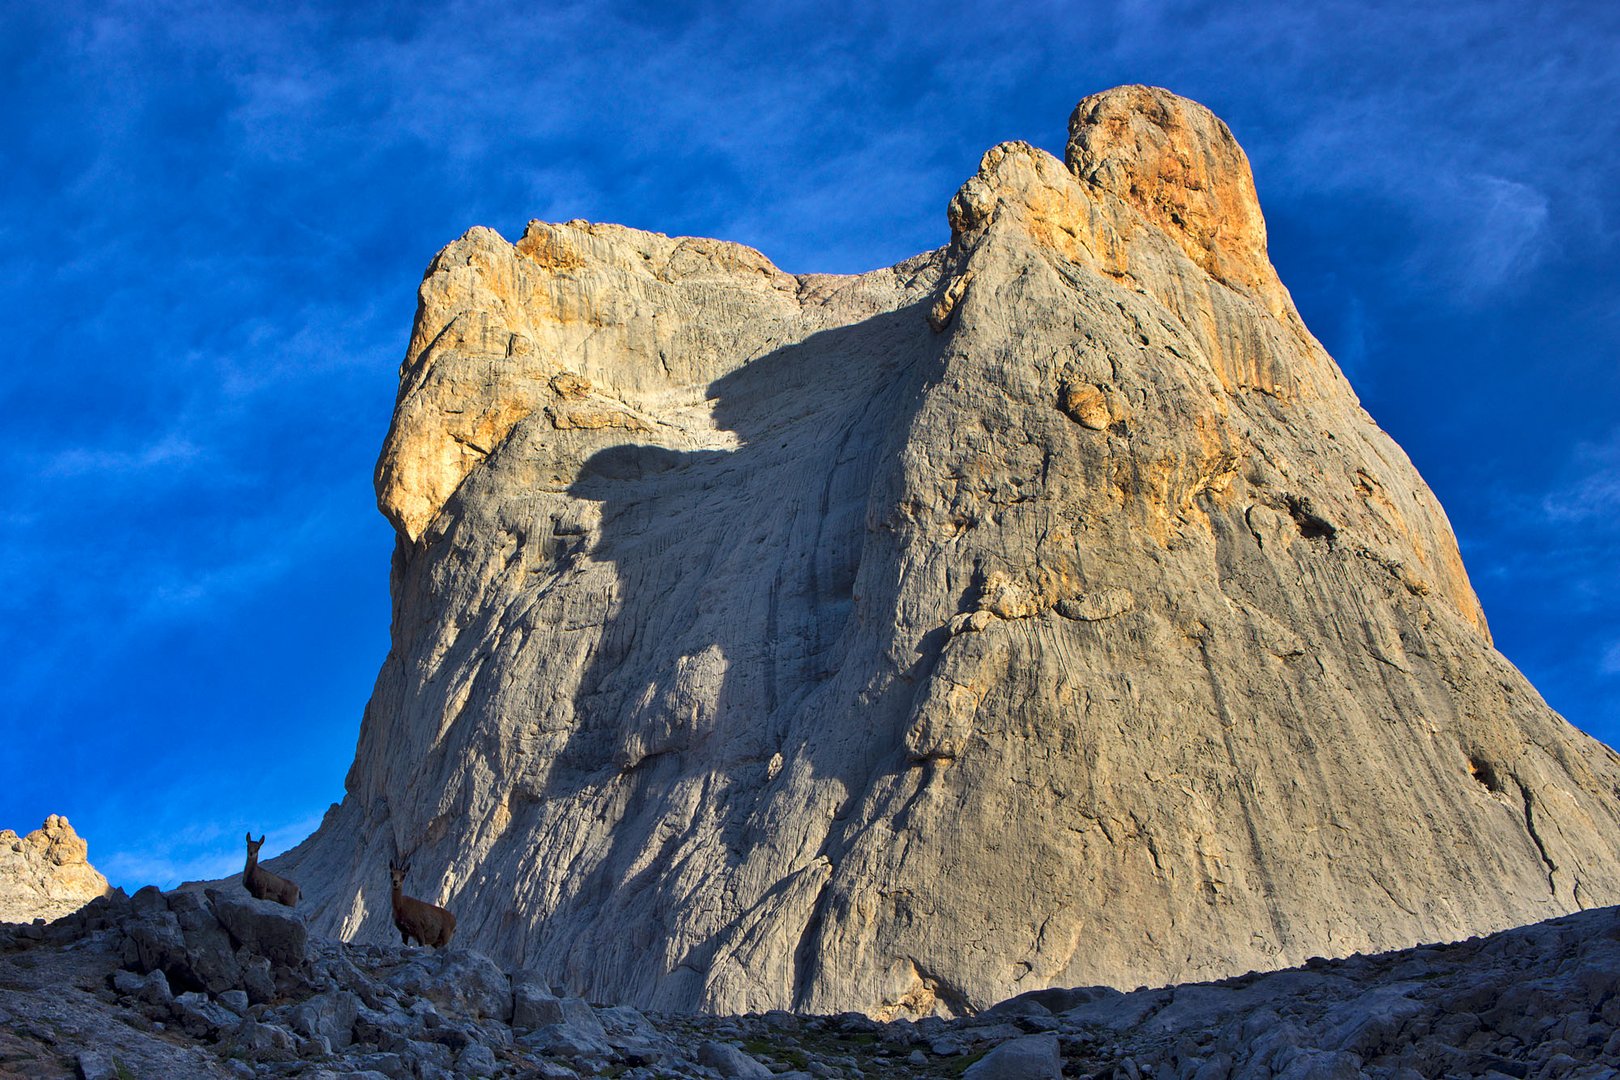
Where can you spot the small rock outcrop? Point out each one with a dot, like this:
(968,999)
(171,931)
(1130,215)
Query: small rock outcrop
(46,874)
(1042,610)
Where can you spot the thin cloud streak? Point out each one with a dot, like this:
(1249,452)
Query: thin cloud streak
(1426,138)
(172,453)
(1594,495)
(198,853)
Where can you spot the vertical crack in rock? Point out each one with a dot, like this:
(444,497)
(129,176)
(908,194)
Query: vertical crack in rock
(1535,837)
(806,954)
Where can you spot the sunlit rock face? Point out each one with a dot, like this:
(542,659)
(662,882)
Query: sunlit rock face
(1043,610)
(46,874)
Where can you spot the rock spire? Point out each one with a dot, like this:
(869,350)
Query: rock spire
(1041,611)
(46,874)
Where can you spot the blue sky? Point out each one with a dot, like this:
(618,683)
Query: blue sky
(213,218)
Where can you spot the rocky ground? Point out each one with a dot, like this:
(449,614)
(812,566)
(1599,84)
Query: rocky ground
(215,984)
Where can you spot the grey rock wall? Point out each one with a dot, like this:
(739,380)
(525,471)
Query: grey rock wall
(1044,610)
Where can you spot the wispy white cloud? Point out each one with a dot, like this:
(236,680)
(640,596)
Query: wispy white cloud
(197,592)
(132,870)
(100,605)
(1593,495)
(1610,662)
(171,452)
(1442,117)
(197,852)
(1481,234)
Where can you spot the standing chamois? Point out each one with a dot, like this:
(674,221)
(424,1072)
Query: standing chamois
(418,919)
(262,883)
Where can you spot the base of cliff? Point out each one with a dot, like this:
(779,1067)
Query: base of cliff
(216,984)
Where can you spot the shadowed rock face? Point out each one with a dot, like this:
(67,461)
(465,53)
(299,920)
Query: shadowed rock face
(1044,610)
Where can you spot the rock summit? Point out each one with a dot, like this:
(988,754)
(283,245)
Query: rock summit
(46,874)
(1043,610)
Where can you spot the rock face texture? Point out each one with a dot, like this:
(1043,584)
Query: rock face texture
(46,874)
(1043,610)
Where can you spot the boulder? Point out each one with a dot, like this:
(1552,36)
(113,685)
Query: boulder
(148,902)
(258,978)
(533,1003)
(156,943)
(731,1062)
(203,1018)
(210,952)
(476,1060)
(97,1065)
(460,982)
(330,1016)
(1033,1057)
(574,1033)
(273,931)
(151,988)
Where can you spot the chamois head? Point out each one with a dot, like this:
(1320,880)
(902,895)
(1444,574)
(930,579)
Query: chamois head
(254,845)
(397,871)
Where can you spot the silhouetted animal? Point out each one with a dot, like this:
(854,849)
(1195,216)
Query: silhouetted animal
(418,919)
(262,883)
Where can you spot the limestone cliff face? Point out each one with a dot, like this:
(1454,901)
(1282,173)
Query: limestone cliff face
(46,874)
(1044,610)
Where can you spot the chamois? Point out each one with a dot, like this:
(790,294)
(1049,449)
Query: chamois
(418,919)
(262,883)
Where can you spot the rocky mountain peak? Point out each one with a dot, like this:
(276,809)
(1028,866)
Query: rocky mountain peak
(1177,164)
(1042,610)
(47,873)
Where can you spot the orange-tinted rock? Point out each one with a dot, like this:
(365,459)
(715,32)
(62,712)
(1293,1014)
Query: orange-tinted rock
(46,874)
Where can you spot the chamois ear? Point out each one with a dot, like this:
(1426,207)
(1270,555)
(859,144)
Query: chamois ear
(261,838)
(250,836)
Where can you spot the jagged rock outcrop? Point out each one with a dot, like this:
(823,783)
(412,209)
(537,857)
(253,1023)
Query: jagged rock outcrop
(46,874)
(1043,610)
